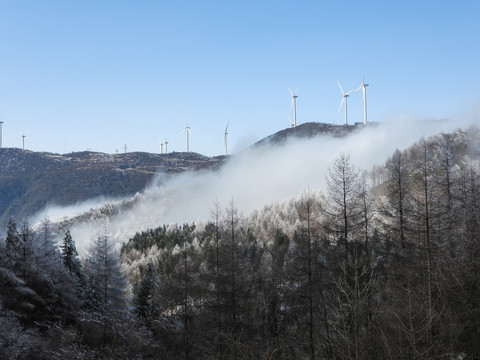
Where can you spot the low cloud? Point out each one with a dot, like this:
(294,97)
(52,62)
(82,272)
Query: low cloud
(253,178)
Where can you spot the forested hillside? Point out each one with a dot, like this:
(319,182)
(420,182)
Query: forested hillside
(29,181)
(383,264)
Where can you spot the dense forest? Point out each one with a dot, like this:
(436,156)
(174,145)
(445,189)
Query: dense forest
(383,264)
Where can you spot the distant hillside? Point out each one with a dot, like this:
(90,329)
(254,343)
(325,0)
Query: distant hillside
(30,180)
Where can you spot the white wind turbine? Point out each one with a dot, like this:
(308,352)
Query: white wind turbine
(161,147)
(23,140)
(294,103)
(225,140)
(364,90)
(344,99)
(166,148)
(289,120)
(186,131)
(1,122)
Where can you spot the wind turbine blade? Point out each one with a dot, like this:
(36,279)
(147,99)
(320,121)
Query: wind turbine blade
(340,86)
(226,129)
(358,88)
(295,93)
(340,108)
(291,93)
(348,93)
(363,81)
(289,120)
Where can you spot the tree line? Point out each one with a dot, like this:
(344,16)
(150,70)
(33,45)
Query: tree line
(358,271)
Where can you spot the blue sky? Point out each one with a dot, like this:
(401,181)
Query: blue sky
(77,75)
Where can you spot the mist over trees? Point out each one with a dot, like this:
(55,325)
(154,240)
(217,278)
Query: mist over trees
(384,264)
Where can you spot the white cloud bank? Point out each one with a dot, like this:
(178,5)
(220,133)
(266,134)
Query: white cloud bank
(254,178)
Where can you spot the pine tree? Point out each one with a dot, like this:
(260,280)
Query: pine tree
(26,264)
(31,279)
(47,256)
(13,245)
(15,343)
(143,300)
(106,281)
(71,260)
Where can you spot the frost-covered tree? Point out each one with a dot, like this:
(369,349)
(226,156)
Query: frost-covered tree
(20,249)
(307,208)
(13,245)
(47,256)
(143,300)
(396,203)
(352,312)
(15,342)
(107,283)
(464,279)
(344,205)
(232,219)
(32,291)
(71,260)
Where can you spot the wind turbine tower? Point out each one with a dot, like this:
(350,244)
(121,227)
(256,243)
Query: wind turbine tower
(161,148)
(186,131)
(344,99)
(166,149)
(294,103)
(23,141)
(364,90)
(289,120)
(225,140)
(1,122)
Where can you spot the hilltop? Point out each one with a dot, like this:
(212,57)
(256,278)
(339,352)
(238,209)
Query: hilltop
(310,130)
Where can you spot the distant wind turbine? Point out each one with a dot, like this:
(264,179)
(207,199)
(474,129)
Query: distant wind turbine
(23,140)
(186,131)
(166,149)
(294,103)
(161,147)
(364,90)
(1,135)
(344,99)
(225,140)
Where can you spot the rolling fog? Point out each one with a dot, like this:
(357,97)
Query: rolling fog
(252,178)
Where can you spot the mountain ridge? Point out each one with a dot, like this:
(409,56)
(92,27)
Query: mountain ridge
(29,180)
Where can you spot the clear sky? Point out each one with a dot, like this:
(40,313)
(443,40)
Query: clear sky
(77,75)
